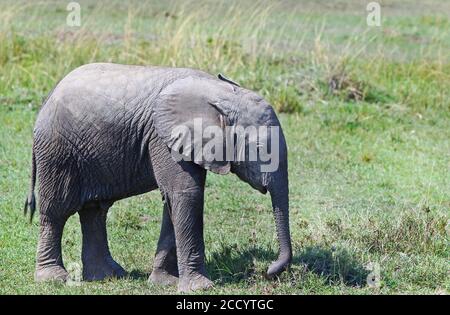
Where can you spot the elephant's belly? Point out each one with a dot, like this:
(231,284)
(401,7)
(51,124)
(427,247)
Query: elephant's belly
(119,191)
(119,179)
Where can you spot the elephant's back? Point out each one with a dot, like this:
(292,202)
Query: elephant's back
(105,92)
(100,90)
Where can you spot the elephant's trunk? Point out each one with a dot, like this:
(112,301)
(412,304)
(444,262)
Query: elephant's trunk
(279,192)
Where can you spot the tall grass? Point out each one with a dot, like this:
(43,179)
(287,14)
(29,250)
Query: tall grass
(289,55)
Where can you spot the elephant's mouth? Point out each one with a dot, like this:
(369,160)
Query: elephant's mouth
(263,190)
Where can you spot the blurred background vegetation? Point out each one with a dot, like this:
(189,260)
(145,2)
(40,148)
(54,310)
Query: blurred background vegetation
(295,53)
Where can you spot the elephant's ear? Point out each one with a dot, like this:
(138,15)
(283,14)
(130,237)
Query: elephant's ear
(223,78)
(190,116)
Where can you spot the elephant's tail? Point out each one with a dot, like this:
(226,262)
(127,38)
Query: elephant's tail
(30,202)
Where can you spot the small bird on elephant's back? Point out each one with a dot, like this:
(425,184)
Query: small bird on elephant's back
(105,133)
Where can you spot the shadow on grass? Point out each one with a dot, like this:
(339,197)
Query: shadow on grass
(334,265)
(136,274)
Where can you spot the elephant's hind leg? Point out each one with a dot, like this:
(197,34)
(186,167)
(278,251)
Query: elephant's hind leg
(98,263)
(165,267)
(49,262)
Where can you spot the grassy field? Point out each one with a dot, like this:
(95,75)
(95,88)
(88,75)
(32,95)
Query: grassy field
(366,113)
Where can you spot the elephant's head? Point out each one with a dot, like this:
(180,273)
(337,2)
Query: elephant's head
(240,132)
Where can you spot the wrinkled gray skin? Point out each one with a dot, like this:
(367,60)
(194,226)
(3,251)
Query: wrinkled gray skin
(103,134)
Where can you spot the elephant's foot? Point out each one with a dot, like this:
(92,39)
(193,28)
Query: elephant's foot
(102,269)
(51,273)
(162,277)
(165,268)
(193,283)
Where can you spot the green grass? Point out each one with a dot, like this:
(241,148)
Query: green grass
(366,113)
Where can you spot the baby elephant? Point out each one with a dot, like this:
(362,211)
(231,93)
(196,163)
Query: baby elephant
(109,131)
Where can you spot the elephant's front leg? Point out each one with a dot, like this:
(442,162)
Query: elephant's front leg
(165,268)
(187,217)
